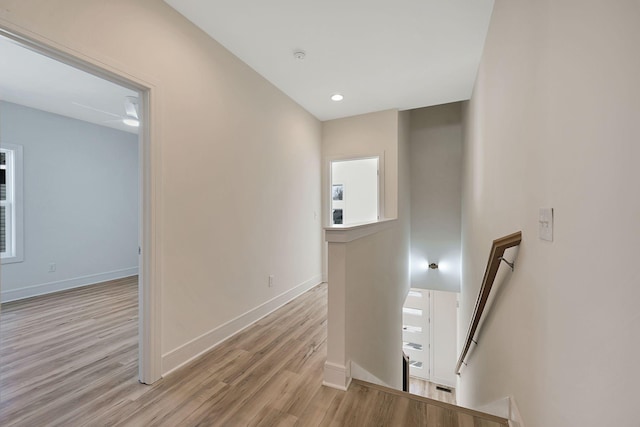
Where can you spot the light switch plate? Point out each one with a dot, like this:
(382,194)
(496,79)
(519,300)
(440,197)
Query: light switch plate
(545,224)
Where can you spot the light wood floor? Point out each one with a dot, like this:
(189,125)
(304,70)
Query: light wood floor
(70,359)
(428,389)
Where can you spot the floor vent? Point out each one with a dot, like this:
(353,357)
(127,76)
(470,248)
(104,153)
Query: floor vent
(445,389)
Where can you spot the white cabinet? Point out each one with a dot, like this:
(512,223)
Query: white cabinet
(429,334)
(415,332)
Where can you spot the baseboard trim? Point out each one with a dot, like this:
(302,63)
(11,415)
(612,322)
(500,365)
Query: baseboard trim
(505,408)
(337,376)
(515,419)
(443,381)
(63,285)
(184,354)
(359,373)
(499,408)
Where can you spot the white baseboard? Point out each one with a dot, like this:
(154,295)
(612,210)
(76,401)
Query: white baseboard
(515,419)
(62,285)
(337,376)
(499,408)
(359,373)
(443,381)
(505,408)
(205,342)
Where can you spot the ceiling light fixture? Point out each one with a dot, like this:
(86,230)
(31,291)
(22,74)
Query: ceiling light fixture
(131,111)
(131,121)
(337,97)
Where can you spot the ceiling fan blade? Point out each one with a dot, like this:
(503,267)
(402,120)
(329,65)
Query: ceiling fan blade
(131,106)
(95,109)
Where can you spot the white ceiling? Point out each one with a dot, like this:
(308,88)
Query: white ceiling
(34,80)
(380,54)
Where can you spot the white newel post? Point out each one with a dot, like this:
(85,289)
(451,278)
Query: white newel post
(336,368)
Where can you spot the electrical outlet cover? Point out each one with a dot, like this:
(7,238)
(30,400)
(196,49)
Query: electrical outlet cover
(545,224)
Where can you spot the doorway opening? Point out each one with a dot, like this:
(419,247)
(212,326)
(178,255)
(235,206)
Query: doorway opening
(355,196)
(117,113)
(429,325)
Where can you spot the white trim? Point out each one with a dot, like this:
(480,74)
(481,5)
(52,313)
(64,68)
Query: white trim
(16,213)
(150,292)
(186,353)
(337,376)
(62,285)
(515,419)
(499,408)
(380,177)
(505,408)
(150,278)
(359,373)
(340,234)
(328,181)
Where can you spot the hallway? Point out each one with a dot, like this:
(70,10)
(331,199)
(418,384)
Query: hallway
(269,374)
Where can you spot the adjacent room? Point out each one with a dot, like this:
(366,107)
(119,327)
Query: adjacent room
(69,227)
(504,140)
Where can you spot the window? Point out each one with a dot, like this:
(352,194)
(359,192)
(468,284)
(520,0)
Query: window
(11,203)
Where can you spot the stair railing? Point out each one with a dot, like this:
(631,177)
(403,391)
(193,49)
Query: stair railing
(498,248)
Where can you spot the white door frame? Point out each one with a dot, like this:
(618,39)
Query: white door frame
(328,198)
(149,303)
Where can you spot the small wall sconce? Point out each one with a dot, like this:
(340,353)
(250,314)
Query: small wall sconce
(433,266)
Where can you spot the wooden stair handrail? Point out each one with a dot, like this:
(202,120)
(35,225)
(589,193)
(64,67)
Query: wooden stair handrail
(497,251)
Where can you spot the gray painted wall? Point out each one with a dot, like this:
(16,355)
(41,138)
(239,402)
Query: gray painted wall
(80,202)
(436,195)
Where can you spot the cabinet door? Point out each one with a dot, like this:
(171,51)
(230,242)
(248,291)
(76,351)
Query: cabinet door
(415,332)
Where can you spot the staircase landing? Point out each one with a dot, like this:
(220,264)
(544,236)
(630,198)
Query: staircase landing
(366,404)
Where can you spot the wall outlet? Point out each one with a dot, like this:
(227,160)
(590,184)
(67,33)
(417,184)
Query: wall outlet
(271,277)
(52,267)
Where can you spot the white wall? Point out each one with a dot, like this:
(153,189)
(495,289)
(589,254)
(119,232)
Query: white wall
(373,280)
(373,134)
(375,295)
(240,163)
(359,180)
(553,122)
(443,325)
(436,194)
(80,202)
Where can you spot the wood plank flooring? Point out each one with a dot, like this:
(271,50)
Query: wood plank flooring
(428,389)
(70,359)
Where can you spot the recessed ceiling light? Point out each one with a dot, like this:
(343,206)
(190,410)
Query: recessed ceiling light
(337,97)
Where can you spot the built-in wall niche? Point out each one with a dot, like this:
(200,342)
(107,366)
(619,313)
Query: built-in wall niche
(354,191)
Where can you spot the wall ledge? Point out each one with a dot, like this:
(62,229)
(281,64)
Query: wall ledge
(345,234)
